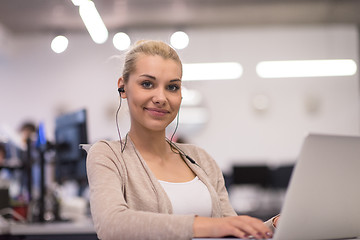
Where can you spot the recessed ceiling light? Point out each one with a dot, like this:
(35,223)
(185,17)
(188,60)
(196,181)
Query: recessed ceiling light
(179,40)
(59,44)
(121,41)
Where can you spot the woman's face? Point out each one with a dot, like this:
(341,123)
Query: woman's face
(153,92)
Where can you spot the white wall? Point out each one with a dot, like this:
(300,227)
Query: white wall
(39,84)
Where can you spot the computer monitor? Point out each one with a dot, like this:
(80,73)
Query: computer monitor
(70,132)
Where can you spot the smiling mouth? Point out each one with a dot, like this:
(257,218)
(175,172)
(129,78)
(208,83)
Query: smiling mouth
(157,112)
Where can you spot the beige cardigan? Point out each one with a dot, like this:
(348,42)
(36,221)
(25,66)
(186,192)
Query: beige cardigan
(128,202)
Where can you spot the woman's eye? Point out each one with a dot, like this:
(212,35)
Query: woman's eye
(146,84)
(173,87)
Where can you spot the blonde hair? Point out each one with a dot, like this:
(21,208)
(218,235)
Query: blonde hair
(149,48)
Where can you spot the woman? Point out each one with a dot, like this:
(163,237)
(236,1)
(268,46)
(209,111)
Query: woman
(145,186)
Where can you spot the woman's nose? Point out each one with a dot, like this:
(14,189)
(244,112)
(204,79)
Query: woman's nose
(159,97)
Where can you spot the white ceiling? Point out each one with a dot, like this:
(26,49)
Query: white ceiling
(30,16)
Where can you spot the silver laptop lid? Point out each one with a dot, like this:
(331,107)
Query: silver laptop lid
(323,197)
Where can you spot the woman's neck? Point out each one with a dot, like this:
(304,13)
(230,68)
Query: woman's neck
(149,142)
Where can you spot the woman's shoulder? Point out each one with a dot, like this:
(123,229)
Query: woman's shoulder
(102,146)
(104,142)
(188,147)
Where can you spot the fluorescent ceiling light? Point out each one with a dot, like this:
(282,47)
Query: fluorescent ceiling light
(212,71)
(79,2)
(306,68)
(93,22)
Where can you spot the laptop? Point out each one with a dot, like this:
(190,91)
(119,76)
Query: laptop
(323,197)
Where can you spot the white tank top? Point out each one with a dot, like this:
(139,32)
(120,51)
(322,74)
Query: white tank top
(191,197)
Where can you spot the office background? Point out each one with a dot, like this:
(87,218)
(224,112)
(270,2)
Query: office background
(38,84)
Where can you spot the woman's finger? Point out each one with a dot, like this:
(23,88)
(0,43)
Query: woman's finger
(253,226)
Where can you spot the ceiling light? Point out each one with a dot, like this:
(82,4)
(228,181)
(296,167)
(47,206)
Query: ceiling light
(121,41)
(212,71)
(93,22)
(306,68)
(179,40)
(59,44)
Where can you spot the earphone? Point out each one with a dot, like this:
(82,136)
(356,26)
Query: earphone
(120,90)
(180,151)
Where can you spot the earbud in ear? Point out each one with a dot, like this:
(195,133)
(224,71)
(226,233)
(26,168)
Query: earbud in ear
(121,90)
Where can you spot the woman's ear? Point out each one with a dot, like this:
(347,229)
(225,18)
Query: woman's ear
(121,87)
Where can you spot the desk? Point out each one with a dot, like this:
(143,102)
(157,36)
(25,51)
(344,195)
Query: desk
(77,230)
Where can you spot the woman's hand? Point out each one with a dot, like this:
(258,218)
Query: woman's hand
(236,226)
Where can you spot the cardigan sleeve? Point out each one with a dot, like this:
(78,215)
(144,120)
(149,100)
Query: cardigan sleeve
(113,219)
